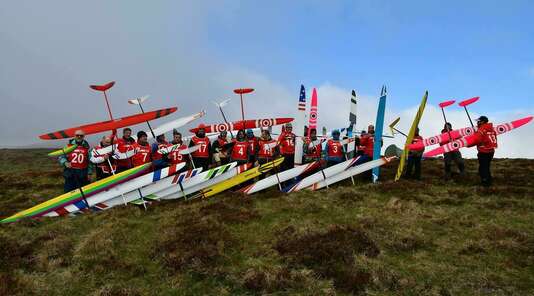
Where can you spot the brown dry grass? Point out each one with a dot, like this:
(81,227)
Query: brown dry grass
(429,237)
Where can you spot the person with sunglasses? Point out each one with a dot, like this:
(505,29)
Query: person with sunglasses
(76,168)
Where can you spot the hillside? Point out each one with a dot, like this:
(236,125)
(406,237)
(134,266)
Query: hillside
(428,237)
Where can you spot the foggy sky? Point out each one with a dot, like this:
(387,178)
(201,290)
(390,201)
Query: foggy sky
(175,52)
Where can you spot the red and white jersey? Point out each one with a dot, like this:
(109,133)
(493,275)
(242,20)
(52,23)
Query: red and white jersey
(102,164)
(175,157)
(486,138)
(142,154)
(124,145)
(253,145)
(287,143)
(240,150)
(156,155)
(335,148)
(367,142)
(202,151)
(79,158)
(266,148)
(315,151)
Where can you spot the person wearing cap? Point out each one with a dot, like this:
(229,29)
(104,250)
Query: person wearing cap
(413,168)
(286,142)
(240,148)
(143,153)
(334,149)
(452,156)
(202,156)
(125,144)
(253,145)
(312,147)
(105,164)
(486,139)
(267,147)
(220,149)
(76,167)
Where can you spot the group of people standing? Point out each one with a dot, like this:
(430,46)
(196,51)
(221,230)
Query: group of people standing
(486,139)
(245,147)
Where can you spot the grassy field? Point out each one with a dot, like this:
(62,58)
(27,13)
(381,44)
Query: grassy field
(429,237)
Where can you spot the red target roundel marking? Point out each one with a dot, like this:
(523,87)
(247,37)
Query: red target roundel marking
(433,141)
(266,122)
(469,131)
(313,115)
(501,129)
(221,127)
(455,145)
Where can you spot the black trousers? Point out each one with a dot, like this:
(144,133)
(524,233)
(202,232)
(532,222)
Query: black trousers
(288,163)
(484,167)
(75,178)
(414,164)
(201,162)
(456,157)
(101,175)
(225,160)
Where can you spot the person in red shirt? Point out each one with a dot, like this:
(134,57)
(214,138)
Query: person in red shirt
(201,157)
(267,147)
(160,160)
(312,152)
(174,156)
(414,158)
(240,148)
(253,145)
(76,168)
(220,149)
(334,149)
(486,139)
(105,165)
(124,144)
(286,142)
(452,156)
(143,153)
(360,149)
(367,141)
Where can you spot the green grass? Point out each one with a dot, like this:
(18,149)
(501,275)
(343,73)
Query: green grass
(407,238)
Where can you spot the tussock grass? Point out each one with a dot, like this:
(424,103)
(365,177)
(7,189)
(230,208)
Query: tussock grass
(429,237)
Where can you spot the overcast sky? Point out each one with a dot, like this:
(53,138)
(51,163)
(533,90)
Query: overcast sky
(189,53)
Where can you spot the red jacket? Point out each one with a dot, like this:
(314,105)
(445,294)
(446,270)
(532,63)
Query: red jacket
(175,157)
(335,149)
(312,152)
(142,155)
(155,150)
(79,158)
(287,143)
(486,138)
(240,151)
(203,150)
(368,142)
(253,144)
(104,166)
(265,151)
(124,145)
